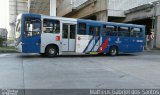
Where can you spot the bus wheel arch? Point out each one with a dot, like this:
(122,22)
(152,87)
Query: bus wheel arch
(113,50)
(51,50)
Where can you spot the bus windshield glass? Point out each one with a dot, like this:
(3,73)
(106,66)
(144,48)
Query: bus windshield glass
(32,27)
(18,28)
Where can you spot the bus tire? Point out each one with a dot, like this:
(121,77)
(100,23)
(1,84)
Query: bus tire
(113,51)
(51,51)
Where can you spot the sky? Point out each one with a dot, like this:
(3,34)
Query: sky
(4,13)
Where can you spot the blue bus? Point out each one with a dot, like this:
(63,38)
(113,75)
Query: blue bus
(51,36)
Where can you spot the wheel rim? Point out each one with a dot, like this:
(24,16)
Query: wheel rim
(51,51)
(113,51)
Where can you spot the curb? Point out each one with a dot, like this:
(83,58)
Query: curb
(8,52)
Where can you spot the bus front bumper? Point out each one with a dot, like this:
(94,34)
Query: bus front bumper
(19,47)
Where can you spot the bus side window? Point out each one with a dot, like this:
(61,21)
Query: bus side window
(82,28)
(91,30)
(32,27)
(72,31)
(107,30)
(97,31)
(131,32)
(65,31)
(94,30)
(136,32)
(110,31)
(51,26)
(123,31)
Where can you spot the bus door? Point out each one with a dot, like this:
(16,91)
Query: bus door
(32,34)
(68,36)
(94,43)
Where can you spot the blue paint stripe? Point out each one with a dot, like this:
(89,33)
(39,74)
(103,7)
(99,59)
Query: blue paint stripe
(88,45)
(95,43)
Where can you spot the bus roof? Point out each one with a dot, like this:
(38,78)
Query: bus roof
(85,20)
(111,23)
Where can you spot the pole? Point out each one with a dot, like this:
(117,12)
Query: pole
(154,18)
(53,7)
(107,10)
(153,43)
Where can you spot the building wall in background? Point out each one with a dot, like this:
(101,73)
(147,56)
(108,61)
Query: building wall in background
(15,7)
(83,9)
(117,7)
(3,33)
(3,37)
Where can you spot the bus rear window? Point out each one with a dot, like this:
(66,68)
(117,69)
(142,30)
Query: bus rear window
(136,32)
(82,29)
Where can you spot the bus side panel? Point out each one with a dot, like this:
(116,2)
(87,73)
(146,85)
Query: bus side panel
(124,44)
(49,38)
(141,40)
(116,41)
(81,43)
(138,45)
(130,45)
(90,40)
(105,45)
(111,42)
(31,45)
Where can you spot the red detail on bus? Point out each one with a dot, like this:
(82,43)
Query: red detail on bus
(104,45)
(57,38)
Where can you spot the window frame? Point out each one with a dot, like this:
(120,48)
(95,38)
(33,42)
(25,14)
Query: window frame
(140,35)
(74,33)
(122,32)
(80,29)
(52,27)
(31,33)
(95,28)
(109,33)
(65,36)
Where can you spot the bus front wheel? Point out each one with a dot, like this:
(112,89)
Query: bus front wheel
(51,51)
(113,51)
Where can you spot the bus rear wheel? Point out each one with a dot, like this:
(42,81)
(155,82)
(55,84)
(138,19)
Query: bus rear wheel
(113,51)
(51,51)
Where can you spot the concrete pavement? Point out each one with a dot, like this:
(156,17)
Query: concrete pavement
(23,71)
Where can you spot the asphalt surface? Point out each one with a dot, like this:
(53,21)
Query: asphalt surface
(126,71)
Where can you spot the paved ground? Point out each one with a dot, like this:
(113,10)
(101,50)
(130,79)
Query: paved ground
(32,71)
